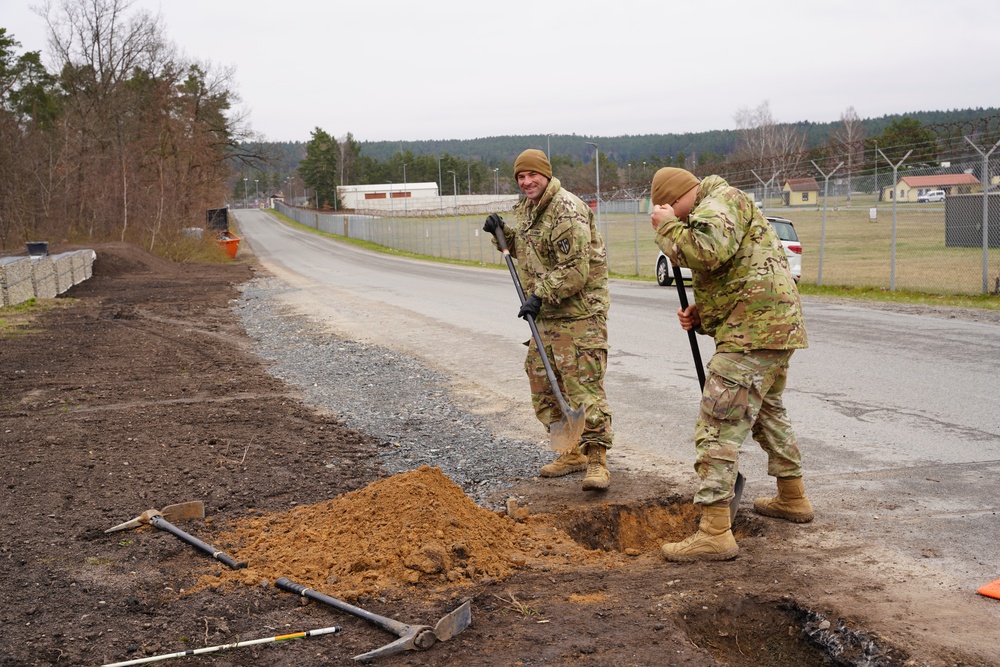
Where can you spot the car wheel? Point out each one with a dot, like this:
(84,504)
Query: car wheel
(663,275)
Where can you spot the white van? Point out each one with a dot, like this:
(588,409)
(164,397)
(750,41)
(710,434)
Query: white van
(931,195)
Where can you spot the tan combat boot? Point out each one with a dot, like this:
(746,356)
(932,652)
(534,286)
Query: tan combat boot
(566,463)
(790,504)
(713,541)
(598,478)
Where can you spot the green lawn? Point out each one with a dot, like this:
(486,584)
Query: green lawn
(856,251)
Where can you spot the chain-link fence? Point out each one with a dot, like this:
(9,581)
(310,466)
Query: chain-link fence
(886,226)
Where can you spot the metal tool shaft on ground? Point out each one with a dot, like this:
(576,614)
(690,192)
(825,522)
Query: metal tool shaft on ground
(564,435)
(700,369)
(194,509)
(224,647)
(411,637)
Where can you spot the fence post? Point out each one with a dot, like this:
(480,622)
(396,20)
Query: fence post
(892,260)
(822,233)
(986,211)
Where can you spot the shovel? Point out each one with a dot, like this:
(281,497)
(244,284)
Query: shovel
(700,369)
(564,435)
(194,509)
(419,637)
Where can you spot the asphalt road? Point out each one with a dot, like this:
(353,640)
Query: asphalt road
(897,414)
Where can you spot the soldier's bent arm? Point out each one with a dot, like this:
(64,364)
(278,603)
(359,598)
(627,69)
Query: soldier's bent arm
(571,248)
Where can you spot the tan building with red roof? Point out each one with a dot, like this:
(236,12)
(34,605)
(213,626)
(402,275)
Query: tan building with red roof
(910,187)
(800,192)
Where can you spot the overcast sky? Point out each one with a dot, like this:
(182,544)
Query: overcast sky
(461,69)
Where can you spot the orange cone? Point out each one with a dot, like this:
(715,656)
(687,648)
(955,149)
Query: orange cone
(991,590)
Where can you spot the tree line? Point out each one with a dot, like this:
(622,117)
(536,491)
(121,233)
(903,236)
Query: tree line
(760,152)
(123,140)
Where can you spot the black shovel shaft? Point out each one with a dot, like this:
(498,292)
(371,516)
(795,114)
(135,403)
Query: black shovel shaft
(692,336)
(502,242)
(393,626)
(163,524)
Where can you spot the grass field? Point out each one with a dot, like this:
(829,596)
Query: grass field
(855,251)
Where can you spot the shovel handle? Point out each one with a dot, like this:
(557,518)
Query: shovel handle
(692,336)
(700,369)
(502,244)
(222,557)
(393,626)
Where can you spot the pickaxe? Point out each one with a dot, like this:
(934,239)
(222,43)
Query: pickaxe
(420,637)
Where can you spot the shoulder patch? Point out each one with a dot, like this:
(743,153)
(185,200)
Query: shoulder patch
(563,245)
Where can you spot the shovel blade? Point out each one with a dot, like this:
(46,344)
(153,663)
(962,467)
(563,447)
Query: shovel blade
(193,509)
(564,435)
(453,623)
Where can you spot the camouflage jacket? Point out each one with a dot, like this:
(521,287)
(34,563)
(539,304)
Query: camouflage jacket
(560,255)
(745,293)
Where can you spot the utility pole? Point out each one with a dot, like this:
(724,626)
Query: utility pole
(597,163)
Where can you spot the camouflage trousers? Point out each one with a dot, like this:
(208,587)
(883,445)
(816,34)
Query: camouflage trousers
(743,395)
(578,353)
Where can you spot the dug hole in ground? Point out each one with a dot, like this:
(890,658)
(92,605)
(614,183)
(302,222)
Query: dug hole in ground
(141,388)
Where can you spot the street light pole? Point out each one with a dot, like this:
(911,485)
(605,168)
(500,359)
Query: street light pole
(246,195)
(496,181)
(597,163)
(458,234)
(256,191)
(405,206)
(440,188)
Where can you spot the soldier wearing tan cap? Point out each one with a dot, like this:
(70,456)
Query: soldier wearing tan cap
(746,299)
(563,266)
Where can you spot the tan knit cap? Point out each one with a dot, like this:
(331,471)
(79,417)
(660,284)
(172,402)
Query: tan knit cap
(670,184)
(533,160)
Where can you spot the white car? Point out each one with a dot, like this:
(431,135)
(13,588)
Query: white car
(785,231)
(931,196)
(665,271)
(790,240)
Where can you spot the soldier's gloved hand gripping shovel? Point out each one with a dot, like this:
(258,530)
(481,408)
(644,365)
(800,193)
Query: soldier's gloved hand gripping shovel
(564,435)
(699,367)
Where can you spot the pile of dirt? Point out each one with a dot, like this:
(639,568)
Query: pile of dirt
(415,528)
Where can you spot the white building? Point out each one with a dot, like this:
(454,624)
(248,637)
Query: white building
(386,195)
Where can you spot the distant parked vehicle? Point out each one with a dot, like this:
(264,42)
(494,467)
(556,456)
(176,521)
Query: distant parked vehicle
(931,196)
(782,227)
(665,271)
(790,241)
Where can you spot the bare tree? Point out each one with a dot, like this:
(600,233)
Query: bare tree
(140,143)
(850,139)
(770,148)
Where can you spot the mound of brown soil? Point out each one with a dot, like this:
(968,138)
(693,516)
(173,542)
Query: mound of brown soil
(415,528)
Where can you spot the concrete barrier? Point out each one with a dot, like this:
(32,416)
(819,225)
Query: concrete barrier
(43,277)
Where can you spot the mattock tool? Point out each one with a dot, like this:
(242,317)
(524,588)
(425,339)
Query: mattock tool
(411,637)
(194,509)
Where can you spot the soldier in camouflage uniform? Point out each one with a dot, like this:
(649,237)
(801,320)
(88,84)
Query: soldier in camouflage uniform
(746,299)
(562,265)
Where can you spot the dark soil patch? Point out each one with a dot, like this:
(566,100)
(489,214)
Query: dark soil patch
(143,393)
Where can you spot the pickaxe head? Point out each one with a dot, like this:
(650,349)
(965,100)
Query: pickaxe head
(422,637)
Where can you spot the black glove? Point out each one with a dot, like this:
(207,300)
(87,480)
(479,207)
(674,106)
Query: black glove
(531,306)
(492,223)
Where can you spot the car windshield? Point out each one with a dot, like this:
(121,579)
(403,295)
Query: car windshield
(784,230)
